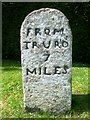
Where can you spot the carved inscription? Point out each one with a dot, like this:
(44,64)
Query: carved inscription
(37,31)
(57,43)
(39,71)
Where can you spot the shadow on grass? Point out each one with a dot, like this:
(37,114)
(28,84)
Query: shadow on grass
(80,103)
(11,63)
(80,65)
(10,68)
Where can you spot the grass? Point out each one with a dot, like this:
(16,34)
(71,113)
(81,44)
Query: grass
(12,93)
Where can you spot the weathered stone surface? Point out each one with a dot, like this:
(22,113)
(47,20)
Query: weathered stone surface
(46,56)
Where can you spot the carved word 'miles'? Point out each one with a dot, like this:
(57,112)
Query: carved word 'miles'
(44,70)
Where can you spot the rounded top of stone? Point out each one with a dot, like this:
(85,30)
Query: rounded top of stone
(42,11)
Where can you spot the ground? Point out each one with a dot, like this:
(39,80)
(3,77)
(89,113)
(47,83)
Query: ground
(11,97)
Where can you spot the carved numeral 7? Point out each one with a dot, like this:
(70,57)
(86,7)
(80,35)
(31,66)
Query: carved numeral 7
(47,56)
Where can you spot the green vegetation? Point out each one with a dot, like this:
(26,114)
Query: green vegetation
(76,12)
(12,93)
